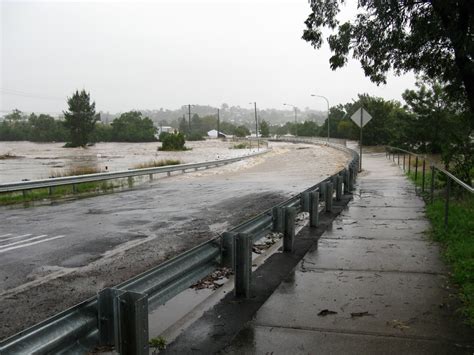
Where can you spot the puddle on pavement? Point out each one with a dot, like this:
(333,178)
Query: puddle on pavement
(162,317)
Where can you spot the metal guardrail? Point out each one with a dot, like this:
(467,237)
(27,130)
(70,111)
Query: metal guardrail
(90,323)
(391,152)
(73,180)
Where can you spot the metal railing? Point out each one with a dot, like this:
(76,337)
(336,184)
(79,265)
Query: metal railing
(74,180)
(394,154)
(99,320)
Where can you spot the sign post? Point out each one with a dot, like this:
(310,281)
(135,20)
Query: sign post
(360,118)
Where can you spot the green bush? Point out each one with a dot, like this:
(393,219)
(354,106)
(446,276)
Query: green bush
(162,136)
(173,141)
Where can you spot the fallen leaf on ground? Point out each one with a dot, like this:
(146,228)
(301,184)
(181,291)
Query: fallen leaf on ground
(326,312)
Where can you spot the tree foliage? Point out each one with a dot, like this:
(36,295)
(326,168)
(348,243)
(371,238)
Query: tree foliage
(43,128)
(241,131)
(173,141)
(434,37)
(80,119)
(441,125)
(264,129)
(132,127)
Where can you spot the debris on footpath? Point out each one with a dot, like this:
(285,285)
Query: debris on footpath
(266,242)
(214,280)
(326,312)
(397,324)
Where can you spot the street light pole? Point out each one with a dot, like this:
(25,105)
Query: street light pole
(296,120)
(327,101)
(256,126)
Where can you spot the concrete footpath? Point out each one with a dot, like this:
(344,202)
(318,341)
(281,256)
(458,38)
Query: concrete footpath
(373,284)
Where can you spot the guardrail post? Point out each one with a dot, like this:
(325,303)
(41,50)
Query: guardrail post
(289,233)
(446,205)
(329,193)
(432,183)
(409,163)
(107,315)
(123,320)
(304,201)
(346,181)
(130,182)
(338,188)
(314,208)
(151,177)
(416,168)
(168,173)
(423,176)
(403,162)
(227,249)
(132,324)
(398,159)
(74,188)
(24,193)
(50,190)
(277,219)
(350,179)
(243,264)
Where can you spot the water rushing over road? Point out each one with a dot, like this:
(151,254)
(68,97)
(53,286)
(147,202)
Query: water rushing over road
(54,256)
(41,160)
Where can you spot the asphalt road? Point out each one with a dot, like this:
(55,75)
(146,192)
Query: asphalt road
(54,256)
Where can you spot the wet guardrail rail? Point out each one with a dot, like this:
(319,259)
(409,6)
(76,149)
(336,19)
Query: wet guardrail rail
(118,316)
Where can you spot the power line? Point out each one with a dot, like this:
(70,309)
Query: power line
(31,95)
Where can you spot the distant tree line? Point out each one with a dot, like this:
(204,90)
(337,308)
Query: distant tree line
(129,127)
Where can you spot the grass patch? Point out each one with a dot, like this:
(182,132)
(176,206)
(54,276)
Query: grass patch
(57,192)
(158,163)
(157,344)
(457,239)
(75,171)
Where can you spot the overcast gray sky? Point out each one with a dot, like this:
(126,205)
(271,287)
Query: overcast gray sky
(153,54)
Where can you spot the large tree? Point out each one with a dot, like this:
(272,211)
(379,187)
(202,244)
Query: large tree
(434,37)
(80,119)
(132,127)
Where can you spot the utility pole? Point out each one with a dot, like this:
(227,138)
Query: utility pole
(218,123)
(189,122)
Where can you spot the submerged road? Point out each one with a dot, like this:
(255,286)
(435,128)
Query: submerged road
(54,256)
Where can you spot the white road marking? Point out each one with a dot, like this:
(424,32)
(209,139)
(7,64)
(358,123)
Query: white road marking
(22,241)
(20,236)
(32,243)
(5,235)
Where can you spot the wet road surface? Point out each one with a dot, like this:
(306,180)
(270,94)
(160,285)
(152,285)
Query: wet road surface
(54,256)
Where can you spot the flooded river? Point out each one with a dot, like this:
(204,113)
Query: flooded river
(28,160)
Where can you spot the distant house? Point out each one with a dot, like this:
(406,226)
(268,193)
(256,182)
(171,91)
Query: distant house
(166,129)
(214,134)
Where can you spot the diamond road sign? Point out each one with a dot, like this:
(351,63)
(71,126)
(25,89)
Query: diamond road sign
(358,119)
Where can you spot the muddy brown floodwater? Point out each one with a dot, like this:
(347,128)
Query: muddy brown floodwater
(28,160)
(81,246)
